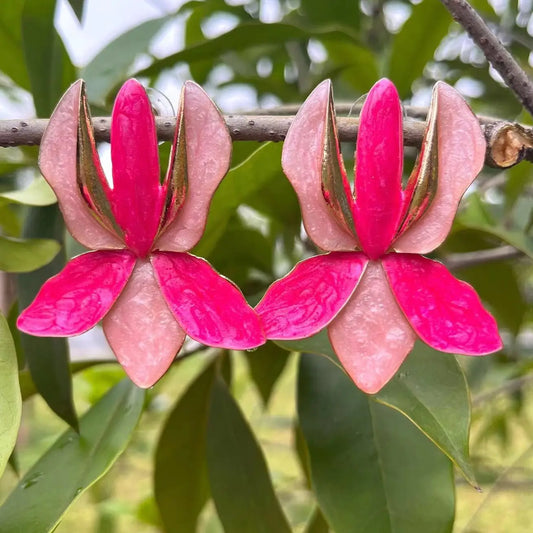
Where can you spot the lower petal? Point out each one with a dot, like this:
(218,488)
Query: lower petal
(308,298)
(370,335)
(141,330)
(209,307)
(446,313)
(74,300)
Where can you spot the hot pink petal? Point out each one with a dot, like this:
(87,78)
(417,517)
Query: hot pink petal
(311,295)
(209,307)
(208,158)
(302,163)
(137,197)
(141,330)
(370,335)
(378,175)
(79,296)
(57,161)
(445,312)
(461,146)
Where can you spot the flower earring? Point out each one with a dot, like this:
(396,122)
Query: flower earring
(139,279)
(377,301)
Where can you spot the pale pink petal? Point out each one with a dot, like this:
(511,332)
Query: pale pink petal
(310,296)
(141,330)
(58,164)
(209,307)
(137,197)
(370,335)
(79,296)
(445,312)
(208,157)
(302,160)
(378,175)
(461,147)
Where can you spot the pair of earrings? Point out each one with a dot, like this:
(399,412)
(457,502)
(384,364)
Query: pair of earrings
(373,291)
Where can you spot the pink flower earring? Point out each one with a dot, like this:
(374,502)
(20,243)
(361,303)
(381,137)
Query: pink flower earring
(377,301)
(149,292)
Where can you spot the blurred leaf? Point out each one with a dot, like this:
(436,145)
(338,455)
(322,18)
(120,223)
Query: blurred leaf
(372,470)
(240,484)
(148,513)
(9,221)
(78,7)
(180,479)
(336,12)
(38,193)
(73,463)
(18,255)
(10,400)
(317,523)
(519,177)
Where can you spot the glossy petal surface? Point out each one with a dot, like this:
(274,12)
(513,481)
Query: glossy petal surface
(309,297)
(208,156)
(58,163)
(378,175)
(302,161)
(79,296)
(370,335)
(137,197)
(141,330)
(445,312)
(209,307)
(461,148)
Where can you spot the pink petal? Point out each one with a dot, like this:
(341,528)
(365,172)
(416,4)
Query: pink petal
(370,335)
(79,296)
(302,160)
(445,312)
(461,147)
(137,197)
(209,307)
(378,175)
(208,158)
(141,330)
(311,295)
(58,164)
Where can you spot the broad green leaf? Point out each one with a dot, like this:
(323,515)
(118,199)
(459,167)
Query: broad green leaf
(372,470)
(73,463)
(180,479)
(9,220)
(112,65)
(334,12)
(240,484)
(37,193)
(414,46)
(317,523)
(25,255)
(10,400)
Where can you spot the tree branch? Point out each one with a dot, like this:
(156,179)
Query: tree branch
(479,257)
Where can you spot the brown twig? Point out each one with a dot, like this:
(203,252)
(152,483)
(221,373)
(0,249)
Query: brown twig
(479,257)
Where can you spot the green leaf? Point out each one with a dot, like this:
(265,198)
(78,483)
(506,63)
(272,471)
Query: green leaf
(372,470)
(317,523)
(73,463)
(37,193)
(240,485)
(337,12)
(78,7)
(10,400)
(181,484)
(19,255)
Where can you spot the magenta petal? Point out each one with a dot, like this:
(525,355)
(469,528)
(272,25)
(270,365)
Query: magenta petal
(378,175)
(370,335)
(310,296)
(461,154)
(137,197)
(208,157)
(58,163)
(79,296)
(141,330)
(209,307)
(445,312)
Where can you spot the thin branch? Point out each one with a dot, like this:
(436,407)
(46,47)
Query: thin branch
(511,72)
(479,257)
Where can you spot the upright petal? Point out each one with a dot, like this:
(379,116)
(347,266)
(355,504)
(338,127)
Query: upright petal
(79,296)
(303,163)
(141,330)
(445,312)
(208,153)
(58,163)
(311,295)
(370,335)
(378,174)
(137,197)
(209,307)
(461,154)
